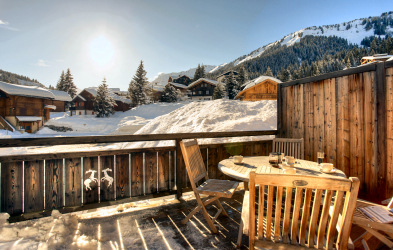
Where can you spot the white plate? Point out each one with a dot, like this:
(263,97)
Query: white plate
(329,172)
(239,162)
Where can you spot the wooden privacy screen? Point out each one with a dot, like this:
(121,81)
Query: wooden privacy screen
(34,183)
(347,115)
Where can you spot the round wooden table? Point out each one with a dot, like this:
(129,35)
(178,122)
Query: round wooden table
(261,165)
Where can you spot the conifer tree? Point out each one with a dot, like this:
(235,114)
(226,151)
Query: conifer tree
(169,94)
(103,102)
(268,72)
(199,72)
(69,85)
(232,86)
(139,90)
(60,83)
(242,76)
(219,92)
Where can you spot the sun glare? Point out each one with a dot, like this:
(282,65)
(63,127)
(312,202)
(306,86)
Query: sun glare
(101,51)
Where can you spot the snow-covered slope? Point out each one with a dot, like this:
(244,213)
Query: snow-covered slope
(354,34)
(162,79)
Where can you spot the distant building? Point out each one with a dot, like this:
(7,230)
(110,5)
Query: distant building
(375,57)
(178,86)
(61,101)
(24,107)
(201,90)
(261,88)
(185,80)
(84,102)
(222,77)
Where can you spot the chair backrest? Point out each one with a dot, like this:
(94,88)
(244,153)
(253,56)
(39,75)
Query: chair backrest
(297,210)
(194,162)
(291,147)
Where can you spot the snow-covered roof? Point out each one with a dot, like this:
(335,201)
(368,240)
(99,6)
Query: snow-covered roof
(28,91)
(377,56)
(80,97)
(179,85)
(93,91)
(49,106)
(28,118)
(256,81)
(391,59)
(200,80)
(115,89)
(61,95)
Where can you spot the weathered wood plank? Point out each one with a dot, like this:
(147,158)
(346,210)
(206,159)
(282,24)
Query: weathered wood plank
(122,176)
(151,172)
(381,130)
(107,182)
(34,186)
(213,172)
(283,129)
(73,181)
(319,125)
(136,174)
(54,184)
(90,164)
(330,120)
(11,187)
(309,118)
(342,138)
(163,171)
(389,130)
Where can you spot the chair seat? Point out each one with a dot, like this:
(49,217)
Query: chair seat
(219,188)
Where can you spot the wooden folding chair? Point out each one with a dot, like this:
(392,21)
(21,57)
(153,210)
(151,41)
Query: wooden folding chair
(302,221)
(291,147)
(214,188)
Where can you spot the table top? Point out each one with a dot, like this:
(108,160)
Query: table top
(261,165)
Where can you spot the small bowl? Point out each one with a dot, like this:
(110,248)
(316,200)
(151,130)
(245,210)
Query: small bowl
(237,159)
(326,167)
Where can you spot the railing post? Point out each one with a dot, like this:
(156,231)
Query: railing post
(179,169)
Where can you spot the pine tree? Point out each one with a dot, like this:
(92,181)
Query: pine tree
(60,84)
(69,85)
(139,91)
(242,76)
(199,72)
(268,72)
(169,94)
(103,102)
(219,92)
(232,86)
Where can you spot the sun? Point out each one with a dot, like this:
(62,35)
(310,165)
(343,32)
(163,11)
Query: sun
(101,51)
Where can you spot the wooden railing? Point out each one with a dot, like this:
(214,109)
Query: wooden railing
(47,181)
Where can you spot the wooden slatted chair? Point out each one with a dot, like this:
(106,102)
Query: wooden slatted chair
(306,223)
(214,188)
(291,147)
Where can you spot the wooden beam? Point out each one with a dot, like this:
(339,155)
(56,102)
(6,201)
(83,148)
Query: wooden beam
(179,170)
(25,142)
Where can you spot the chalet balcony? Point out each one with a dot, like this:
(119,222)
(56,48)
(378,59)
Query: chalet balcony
(136,198)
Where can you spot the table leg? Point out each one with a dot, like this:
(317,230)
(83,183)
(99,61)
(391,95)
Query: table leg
(245,186)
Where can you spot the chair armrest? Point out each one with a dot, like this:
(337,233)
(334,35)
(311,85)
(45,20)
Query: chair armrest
(245,212)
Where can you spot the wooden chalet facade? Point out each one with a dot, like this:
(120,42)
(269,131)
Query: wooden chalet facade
(61,101)
(178,86)
(261,88)
(83,104)
(201,90)
(25,107)
(185,80)
(377,57)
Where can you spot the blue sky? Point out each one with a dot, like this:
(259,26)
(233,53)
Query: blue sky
(97,38)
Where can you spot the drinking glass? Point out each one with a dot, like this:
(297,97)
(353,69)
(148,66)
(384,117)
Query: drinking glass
(273,158)
(320,156)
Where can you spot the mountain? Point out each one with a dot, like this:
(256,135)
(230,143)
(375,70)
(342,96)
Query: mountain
(162,79)
(9,77)
(353,31)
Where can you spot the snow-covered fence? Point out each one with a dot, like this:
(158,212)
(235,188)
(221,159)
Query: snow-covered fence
(37,182)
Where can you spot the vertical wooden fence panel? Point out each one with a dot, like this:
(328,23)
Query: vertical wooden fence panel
(342,138)
(11,187)
(54,183)
(151,172)
(370,172)
(107,189)
(212,160)
(163,171)
(319,125)
(34,186)
(309,118)
(122,176)
(389,130)
(283,129)
(172,169)
(330,120)
(73,181)
(90,179)
(136,174)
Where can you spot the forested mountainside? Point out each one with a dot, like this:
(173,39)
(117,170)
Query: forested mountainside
(18,79)
(317,50)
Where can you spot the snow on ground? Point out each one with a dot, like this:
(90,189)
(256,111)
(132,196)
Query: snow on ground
(208,116)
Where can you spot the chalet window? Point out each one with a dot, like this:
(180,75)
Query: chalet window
(76,104)
(82,104)
(200,92)
(92,112)
(28,128)
(80,113)
(22,111)
(207,92)
(36,112)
